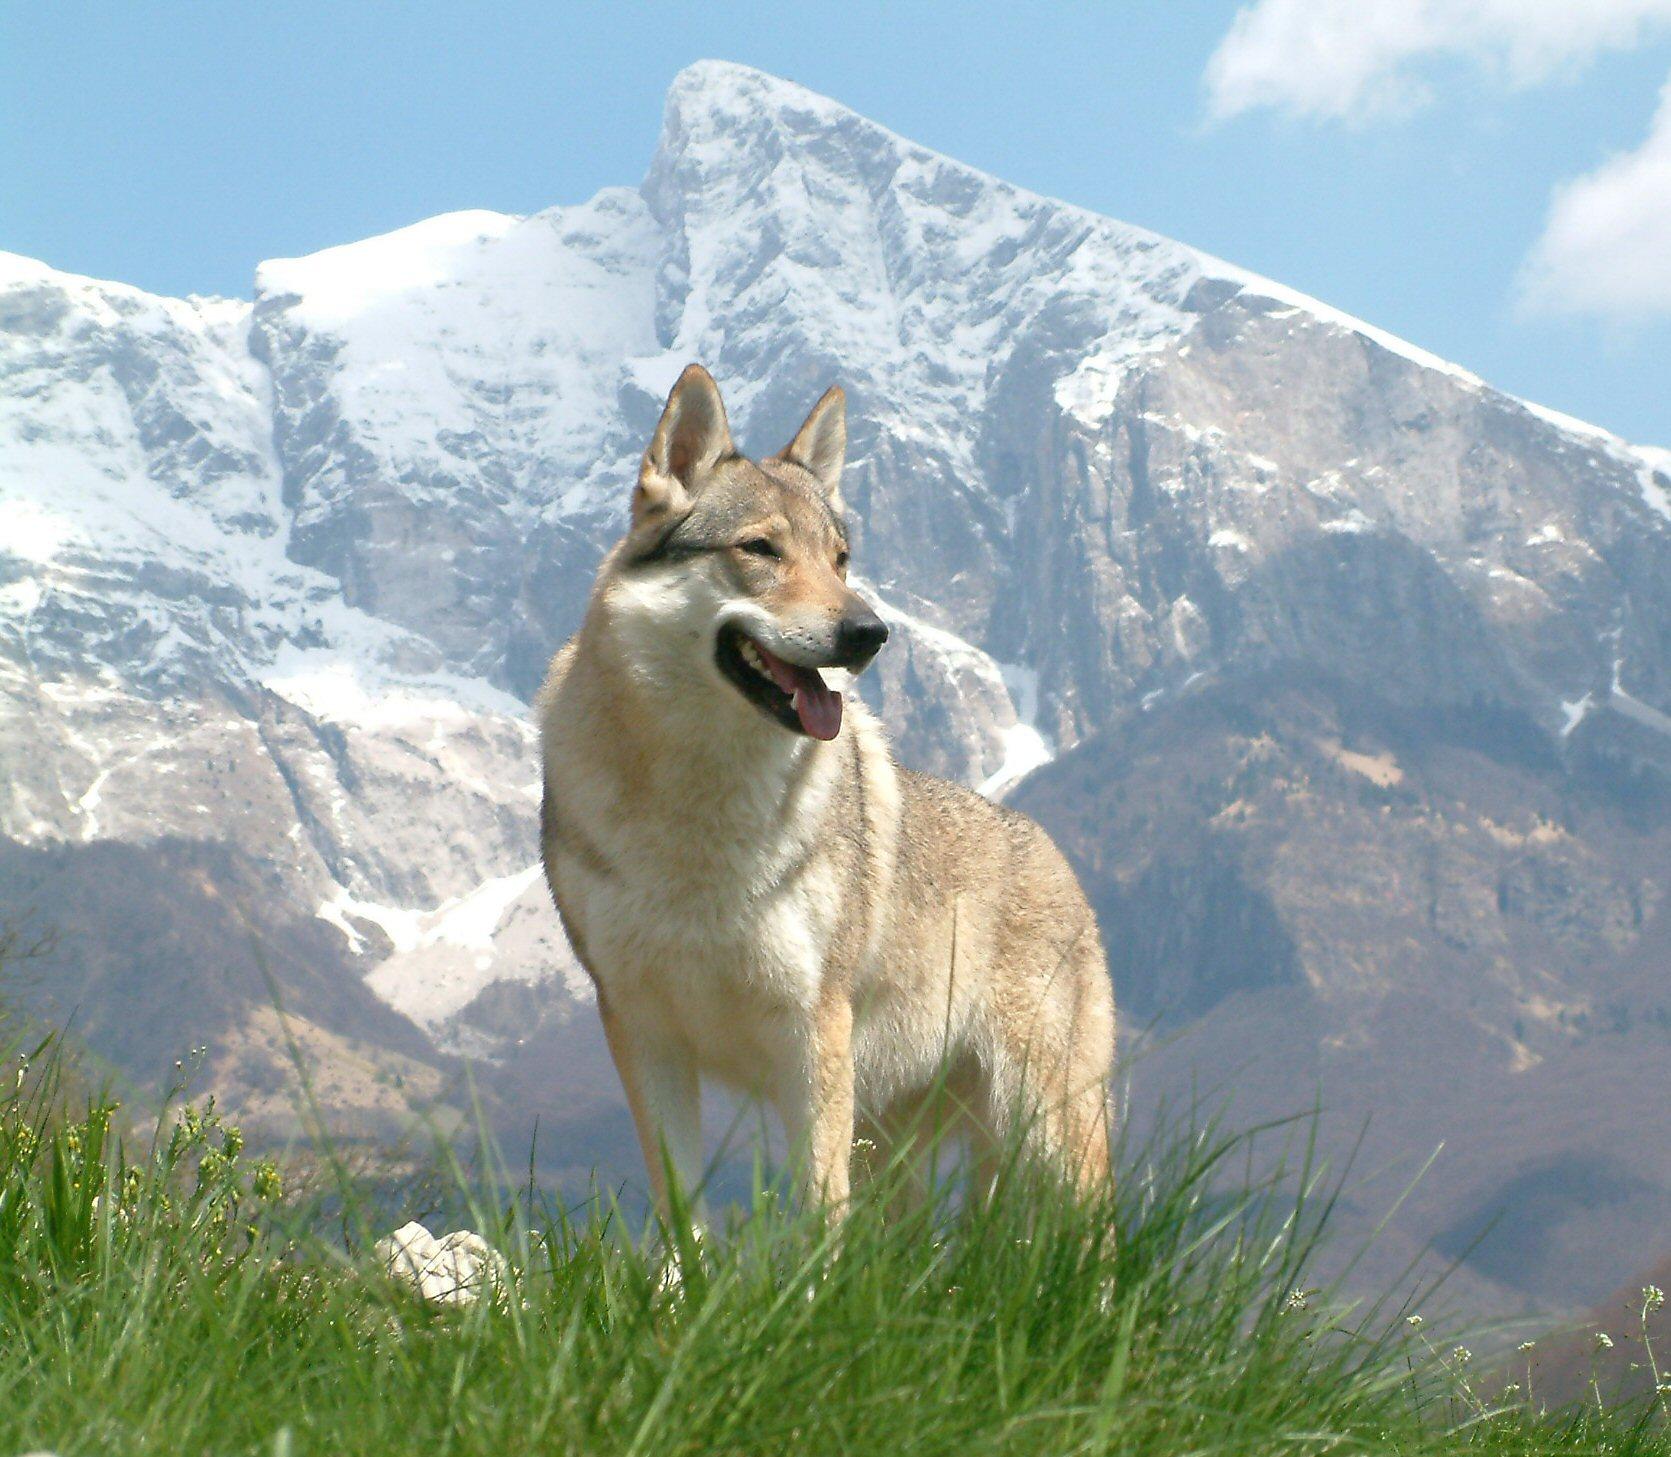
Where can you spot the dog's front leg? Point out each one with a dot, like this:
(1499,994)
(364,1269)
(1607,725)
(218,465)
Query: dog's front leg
(818,1113)
(665,1096)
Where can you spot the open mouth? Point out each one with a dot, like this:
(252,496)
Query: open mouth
(795,696)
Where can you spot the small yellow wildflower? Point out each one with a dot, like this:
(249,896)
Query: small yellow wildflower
(266,1181)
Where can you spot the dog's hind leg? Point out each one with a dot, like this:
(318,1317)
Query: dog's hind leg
(1047,1083)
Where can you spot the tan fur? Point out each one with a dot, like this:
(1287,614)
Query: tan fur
(802,920)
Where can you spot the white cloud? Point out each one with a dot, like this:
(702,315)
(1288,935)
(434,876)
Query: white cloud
(1606,246)
(1352,59)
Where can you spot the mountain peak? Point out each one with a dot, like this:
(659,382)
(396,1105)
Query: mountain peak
(733,116)
(717,83)
(744,138)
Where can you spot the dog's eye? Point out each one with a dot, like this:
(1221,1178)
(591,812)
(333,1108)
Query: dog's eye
(759,546)
(841,561)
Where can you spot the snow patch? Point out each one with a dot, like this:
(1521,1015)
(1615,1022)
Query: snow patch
(21,598)
(1627,703)
(514,332)
(336,284)
(1653,475)
(424,978)
(1567,424)
(468,920)
(1353,523)
(30,531)
(1025,745)
(1650,463)
(342,686)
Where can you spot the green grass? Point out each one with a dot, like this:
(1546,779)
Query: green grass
(172,1302)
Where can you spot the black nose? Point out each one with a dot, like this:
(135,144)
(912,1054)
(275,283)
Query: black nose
(858,638)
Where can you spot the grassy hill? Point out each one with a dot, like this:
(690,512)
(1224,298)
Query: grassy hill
(163,1294)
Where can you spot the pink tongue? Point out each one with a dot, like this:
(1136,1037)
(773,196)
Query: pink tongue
(818,707)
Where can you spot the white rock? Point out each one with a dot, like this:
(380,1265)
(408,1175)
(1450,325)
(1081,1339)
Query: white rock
(455,1269)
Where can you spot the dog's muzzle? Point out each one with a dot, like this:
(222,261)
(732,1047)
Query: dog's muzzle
(794,693)
(859,637)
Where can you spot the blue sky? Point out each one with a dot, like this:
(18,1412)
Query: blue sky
(1495,189)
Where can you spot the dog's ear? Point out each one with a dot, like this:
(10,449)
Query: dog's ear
(691,436)
(820,445)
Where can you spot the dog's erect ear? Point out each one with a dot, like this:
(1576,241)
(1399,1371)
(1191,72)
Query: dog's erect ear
(820,445)
(691,435)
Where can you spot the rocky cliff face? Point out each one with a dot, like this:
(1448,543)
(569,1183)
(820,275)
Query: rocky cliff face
(1356,672)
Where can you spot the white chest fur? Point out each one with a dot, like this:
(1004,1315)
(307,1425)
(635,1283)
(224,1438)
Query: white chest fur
(705,906)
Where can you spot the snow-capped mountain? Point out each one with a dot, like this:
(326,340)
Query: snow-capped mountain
(1355,672)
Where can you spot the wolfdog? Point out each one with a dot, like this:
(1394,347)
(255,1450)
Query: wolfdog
(760,893)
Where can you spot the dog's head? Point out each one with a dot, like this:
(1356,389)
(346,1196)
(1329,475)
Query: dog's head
(733,575)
